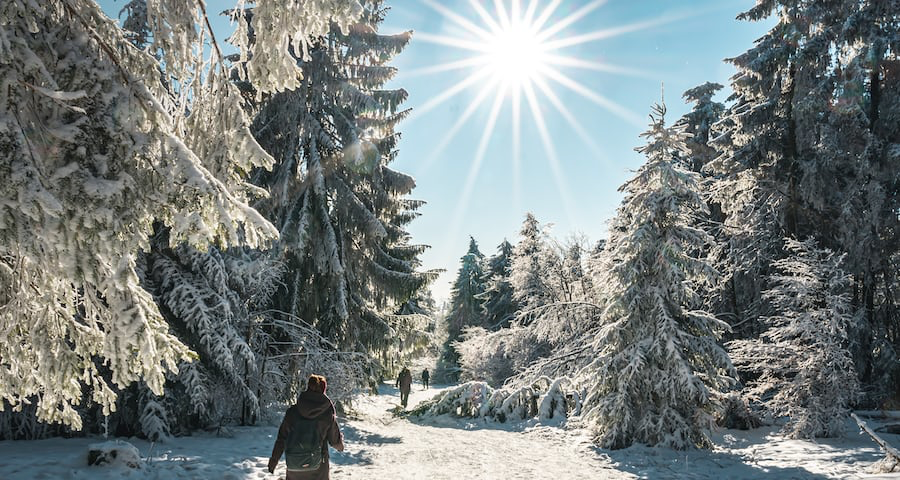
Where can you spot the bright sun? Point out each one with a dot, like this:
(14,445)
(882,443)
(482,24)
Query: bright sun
(515,53)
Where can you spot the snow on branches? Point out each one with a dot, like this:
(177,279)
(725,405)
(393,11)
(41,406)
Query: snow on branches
(657,362)
(283,31)
(98,141)
(544,399)
(801,366)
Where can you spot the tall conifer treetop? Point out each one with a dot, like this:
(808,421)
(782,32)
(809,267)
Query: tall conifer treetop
(658,364)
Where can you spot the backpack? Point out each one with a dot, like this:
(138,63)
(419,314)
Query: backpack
(303,448)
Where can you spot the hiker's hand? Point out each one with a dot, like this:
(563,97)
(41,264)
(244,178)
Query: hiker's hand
(272,464)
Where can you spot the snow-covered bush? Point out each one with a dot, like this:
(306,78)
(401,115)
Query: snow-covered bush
(554,403)
(114,454)
(470,399)
(801,366)
(543,399)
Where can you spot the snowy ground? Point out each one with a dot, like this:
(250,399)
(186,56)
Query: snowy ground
(381,446)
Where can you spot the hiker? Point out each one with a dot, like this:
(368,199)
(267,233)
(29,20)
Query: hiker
(308,428)
(404,382)
(425,377)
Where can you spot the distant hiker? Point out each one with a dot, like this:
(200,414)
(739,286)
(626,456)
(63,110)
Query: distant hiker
(425,377)
(305,433)
(404,381)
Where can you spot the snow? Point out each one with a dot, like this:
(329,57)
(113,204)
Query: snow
(383,446)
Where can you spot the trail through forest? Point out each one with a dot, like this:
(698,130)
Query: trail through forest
(383,446)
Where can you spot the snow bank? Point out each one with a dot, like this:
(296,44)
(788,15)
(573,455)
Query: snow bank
(544,399)
(381,446)
(114,454)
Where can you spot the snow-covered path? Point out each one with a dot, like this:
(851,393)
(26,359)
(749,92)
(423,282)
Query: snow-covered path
(381,446)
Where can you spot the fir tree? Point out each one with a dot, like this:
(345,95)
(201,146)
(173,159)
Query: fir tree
(697,124)
(466,308)
(526,271)
(340,209)
(801,365)
(658,365)
(499,306)
(805,152)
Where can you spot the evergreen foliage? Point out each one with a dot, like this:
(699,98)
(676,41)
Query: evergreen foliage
(807,151)
(95,149)
(526,271)
(499,306)
(657,366)
(697,124)
(801,366)
(465,309)
(340,209)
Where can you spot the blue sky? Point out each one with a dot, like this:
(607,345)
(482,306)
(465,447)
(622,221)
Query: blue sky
(681,45)
(684,49)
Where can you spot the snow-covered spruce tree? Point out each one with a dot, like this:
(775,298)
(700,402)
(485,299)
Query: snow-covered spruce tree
(657,364)
(526,270)
(809,150)
(736,294)
(341,210)
(697,123)
(498,303)
(755,143)
(466,308)
(801,364)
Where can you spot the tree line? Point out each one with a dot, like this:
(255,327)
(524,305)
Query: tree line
(750,271)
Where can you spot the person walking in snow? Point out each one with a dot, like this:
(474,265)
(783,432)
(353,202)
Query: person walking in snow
(404,382)
(307,429)
(425,377)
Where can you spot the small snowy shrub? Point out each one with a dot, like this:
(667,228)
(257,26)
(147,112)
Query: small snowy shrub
(544,399)
(737,413)
(554,403)
(470,399)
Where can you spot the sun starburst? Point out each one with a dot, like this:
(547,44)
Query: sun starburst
(518,55)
